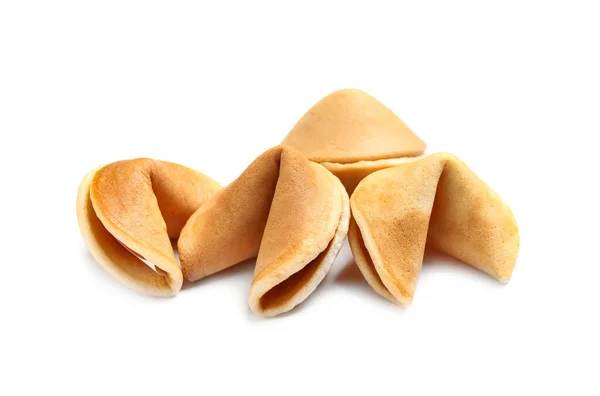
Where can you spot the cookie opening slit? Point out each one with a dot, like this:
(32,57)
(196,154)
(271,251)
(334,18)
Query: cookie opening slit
(365,264)
(285,291)
(143,260)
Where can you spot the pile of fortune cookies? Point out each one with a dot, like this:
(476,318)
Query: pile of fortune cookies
(349,167)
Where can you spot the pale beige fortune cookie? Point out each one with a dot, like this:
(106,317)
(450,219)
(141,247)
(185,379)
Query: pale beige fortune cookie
(436,201)
(129,211)
(353,135)
(290,213)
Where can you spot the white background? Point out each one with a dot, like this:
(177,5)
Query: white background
(512,88)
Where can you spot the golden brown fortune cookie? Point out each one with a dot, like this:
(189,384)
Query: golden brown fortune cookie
(128,211)
(291,213)
(435,201)
(353,135)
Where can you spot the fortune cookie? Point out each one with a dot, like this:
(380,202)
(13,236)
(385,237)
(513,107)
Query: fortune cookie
(290,213)
(353,135)
(435,201)
(128,212)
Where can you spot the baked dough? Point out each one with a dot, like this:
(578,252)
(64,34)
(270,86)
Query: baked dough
(435,201)
(352,134)
(290,213)
(129,211)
